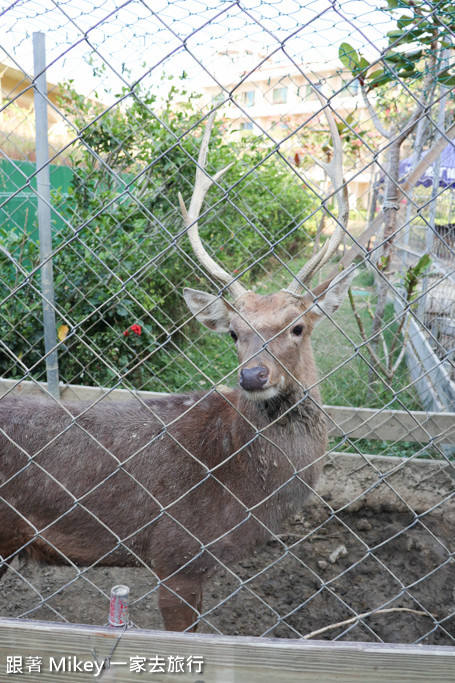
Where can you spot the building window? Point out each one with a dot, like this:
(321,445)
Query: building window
(280,95)
(248,98)
(246,125)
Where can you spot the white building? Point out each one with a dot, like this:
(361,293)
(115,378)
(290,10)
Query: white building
(276,97)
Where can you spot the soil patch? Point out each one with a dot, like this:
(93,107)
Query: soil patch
(322,570)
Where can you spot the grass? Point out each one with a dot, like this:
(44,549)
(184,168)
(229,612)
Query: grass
(348,379)
(345,368)
(340,354)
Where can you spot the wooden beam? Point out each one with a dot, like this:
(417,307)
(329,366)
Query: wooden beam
(391,425)
(225,658)
(73,392)
(356,423)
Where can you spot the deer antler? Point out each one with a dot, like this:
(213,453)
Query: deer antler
(202,184)
(334,170)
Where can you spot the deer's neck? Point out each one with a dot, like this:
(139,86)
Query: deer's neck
(282,409)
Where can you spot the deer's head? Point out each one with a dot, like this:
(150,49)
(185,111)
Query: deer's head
(271,332)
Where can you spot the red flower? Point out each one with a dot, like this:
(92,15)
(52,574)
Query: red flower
(137,329)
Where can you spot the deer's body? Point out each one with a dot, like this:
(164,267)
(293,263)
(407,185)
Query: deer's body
(180,483)
(183,483)
(141,491)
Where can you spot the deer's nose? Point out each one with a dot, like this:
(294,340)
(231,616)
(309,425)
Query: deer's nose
(253,379)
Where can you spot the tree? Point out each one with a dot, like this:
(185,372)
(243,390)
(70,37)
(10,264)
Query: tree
(413,59)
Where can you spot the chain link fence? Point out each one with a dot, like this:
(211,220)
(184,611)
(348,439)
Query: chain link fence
(369,556)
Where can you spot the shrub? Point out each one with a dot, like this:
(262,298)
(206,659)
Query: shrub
(122,257)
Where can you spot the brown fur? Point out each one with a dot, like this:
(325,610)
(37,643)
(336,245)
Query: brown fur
(180,484)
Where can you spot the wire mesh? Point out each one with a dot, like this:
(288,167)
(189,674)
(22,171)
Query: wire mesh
(130,86)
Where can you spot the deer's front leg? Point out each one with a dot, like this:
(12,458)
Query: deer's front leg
(180,603)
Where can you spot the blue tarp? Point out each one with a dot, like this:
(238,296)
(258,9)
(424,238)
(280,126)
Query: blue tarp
(446,172)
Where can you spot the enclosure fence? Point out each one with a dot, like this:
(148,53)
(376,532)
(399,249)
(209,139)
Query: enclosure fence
(104,106)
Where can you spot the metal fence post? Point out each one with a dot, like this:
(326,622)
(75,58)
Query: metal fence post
(44,212)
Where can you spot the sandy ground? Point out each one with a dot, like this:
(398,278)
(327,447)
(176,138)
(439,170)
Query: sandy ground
(289,587)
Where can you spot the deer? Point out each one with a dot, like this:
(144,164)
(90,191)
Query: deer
(182,484)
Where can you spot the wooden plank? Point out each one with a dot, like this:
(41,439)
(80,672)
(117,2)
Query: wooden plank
(356,423)
(431,370)
(431,364)
(428,372)
(422,382)
(225,659)
(391,425)
(73,392)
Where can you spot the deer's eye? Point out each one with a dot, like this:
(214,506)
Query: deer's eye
(297,330)
(233,335)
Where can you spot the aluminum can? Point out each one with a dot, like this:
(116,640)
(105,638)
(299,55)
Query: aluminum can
(118,608)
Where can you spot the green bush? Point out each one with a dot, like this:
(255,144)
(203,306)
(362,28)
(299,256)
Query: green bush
(122,257)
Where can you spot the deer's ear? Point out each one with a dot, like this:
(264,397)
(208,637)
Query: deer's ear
(211,311)
(330,294)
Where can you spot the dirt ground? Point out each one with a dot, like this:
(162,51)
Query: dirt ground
(288,588)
